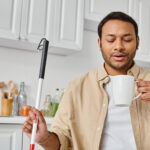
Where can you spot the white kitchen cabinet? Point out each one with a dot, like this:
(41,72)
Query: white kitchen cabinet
(10,137)
(35,17)
(68,24)
(142,14)
(95,10)
(10,16)
(60,21)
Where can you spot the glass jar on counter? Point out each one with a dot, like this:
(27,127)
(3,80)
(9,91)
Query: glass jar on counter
(55,101)
(25,110)
(22,97)
(46,107)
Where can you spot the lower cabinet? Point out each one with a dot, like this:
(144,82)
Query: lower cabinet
(12,138)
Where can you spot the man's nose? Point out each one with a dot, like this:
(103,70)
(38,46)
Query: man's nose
(119,45)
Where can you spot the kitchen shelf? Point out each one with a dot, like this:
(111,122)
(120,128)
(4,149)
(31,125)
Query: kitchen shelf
(19,120)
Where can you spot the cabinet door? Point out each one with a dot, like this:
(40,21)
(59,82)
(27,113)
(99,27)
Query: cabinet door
(10,18)
(68,24)
(95,10)
(142,14)
(10,137)
(35,15)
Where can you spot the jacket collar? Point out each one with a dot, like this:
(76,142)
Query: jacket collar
(134,71)
(104,77)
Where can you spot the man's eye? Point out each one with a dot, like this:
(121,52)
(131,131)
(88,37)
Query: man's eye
(128,40)
(110,41)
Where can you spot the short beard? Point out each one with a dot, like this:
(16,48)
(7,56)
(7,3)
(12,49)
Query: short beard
(124,66)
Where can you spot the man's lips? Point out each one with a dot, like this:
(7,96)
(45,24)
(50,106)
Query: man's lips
(119,57)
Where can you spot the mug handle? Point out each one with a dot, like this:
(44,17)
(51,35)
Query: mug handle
(137,96)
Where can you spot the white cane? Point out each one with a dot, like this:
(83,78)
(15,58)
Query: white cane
(44,44)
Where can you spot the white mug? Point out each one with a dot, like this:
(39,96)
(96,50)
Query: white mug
(123,90)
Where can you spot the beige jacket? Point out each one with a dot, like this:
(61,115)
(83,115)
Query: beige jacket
(80,119)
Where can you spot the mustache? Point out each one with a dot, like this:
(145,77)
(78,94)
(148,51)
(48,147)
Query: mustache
(119,53)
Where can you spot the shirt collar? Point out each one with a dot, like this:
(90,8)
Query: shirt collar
(134,71)
(103,75)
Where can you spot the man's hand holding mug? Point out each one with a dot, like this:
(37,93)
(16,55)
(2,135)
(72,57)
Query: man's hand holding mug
(144,89)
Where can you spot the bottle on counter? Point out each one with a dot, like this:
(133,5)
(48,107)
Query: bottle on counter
(47,106)
(22,97)
(55,101)
(15,103)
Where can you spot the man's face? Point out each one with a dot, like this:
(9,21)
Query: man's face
(118,44)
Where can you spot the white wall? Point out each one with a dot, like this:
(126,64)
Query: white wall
(19,65)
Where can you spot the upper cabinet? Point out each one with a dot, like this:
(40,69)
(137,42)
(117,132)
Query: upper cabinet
(10,16)
(27,21)
(142,15)
(35,20)
(68,24)
(95,10)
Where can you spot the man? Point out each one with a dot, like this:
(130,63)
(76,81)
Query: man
(86,118)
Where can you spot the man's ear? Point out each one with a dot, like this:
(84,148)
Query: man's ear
(99,43)
(137,42)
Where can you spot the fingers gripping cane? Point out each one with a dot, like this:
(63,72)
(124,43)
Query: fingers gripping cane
(44,47)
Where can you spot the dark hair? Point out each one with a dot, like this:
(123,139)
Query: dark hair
(120,16)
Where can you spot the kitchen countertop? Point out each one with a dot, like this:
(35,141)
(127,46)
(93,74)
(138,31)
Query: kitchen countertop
(19,120)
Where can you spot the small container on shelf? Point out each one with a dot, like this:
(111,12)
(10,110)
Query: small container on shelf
(6,105)
(22,97)
(46,107)
(15,103)
(55,101)
(25,110)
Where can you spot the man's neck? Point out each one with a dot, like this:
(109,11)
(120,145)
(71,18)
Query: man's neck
(111,71)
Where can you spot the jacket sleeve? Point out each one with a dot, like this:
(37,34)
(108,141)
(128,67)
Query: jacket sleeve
(61,122)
